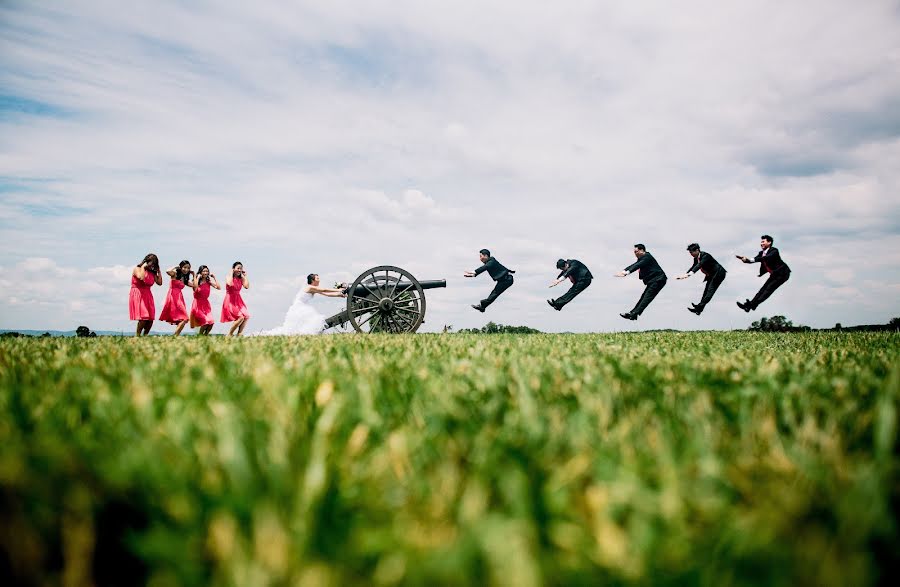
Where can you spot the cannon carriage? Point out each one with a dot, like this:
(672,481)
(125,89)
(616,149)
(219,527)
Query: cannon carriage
(385,299)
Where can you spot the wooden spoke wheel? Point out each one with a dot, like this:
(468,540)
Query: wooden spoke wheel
(386,299)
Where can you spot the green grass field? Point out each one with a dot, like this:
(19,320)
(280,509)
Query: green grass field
(675,458)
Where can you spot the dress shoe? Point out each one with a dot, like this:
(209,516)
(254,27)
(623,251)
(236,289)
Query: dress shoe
(628,316)
(479,308)
(695,310)
(554,306)
(745,306)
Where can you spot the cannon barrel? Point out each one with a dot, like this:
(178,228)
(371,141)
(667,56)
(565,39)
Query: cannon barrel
(363,291)
(432,283)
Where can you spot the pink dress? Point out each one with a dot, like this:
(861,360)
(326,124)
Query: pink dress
(174,310)
(234,307)
(201,309)
(140,299)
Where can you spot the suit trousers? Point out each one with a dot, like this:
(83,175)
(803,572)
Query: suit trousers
(711,286)
(651,291)
(578,287)
(501,286)
(774,281)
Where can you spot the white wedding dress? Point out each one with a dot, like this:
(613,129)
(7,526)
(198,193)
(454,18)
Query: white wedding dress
(301,318)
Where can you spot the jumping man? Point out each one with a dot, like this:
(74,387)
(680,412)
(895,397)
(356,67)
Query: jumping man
(770,262)
(650,273)
(580,276)
(500,274)
(713,272)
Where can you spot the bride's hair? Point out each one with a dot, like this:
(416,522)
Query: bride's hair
(310,278)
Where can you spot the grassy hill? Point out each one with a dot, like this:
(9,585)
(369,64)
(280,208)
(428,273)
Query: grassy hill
(647,458)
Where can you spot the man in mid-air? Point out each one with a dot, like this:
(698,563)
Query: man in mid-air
(576,272)
(650,273)
(770,262)
(501,275)
(713,272)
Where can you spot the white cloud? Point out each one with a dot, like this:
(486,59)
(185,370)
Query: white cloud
(334,136)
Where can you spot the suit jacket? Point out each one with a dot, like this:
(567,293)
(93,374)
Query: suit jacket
(771,262)
(494,269)
(708,265)
(576,271)
(648,269)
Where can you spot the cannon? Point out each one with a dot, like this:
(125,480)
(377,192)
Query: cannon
(385,299)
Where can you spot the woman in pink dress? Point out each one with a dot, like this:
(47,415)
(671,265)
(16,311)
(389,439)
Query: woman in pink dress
(233,308)
(174,311)
(140,300)
(201,309)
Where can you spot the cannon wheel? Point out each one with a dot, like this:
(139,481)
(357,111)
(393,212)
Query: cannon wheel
(383,308)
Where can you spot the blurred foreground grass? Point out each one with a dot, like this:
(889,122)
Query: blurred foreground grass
(675,458)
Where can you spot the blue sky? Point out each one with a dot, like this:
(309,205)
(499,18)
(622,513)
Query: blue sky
(332,137)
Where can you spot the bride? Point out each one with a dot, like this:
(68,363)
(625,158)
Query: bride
(301,317)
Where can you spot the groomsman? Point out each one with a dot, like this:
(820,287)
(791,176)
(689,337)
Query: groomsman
(576,272)
(770,262)
(501,275)
(713,272)
(650,273)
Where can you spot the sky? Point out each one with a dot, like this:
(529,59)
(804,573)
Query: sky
(331,137)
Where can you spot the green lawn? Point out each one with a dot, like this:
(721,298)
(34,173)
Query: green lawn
(673,458)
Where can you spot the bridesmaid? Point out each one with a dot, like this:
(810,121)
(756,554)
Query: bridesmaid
(174,311)
(140,300)
(233,308)
(201,309)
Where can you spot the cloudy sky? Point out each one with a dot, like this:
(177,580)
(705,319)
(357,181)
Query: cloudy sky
(333,136)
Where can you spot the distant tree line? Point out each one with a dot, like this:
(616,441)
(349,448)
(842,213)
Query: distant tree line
(782,324)
(777,324)
(81,331)
(494,328)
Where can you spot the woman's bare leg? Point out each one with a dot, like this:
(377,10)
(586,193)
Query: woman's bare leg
(139,327)
(148,324)
(241,327)
(180,328)
(234,327)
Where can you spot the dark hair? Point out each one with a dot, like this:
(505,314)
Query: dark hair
(199,276)
(693,247)
(485,252)
(640,247)
(235,264)
(184,277)
(768,238)
(310,278)
(561,263)
(153,263)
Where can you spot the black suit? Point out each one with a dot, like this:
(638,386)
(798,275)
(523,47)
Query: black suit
(653,277)
(499,274)
(581,277)
(714,276)
(779,272)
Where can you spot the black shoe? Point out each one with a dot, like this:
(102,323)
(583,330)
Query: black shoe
(554,306)
(693,305)
(695,310)
(478,307)
(745,306)
(628,316)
